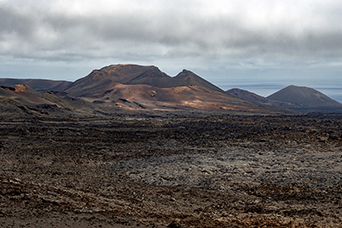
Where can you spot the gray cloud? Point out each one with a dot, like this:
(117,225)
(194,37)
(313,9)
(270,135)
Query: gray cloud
(259,38)
(148,30)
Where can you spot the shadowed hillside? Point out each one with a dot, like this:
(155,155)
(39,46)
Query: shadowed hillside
(21,100)
(36,84)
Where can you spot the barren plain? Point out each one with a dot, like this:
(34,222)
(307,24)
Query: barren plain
(171,170)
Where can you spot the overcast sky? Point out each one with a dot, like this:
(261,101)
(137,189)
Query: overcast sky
(259,45)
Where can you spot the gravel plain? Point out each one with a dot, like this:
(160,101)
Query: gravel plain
(162,170)
(219,169)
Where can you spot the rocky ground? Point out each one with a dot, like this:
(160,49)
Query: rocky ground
(177,170)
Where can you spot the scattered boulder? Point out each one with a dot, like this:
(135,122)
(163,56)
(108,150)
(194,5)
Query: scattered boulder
(175,224)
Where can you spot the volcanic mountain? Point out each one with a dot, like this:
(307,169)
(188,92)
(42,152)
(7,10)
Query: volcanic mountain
(304,96)
(108,77)
(36,84)
(307,99)
(293,97)
(146,87)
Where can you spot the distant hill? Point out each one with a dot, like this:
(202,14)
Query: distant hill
(36,84)
(302,99)
(303,96)
(146,87)
(307,99)
(249,96)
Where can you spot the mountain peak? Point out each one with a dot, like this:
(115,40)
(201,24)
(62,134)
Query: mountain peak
(188,78)
(186,71)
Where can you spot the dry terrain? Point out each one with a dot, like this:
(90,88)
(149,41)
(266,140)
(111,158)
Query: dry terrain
(171,170)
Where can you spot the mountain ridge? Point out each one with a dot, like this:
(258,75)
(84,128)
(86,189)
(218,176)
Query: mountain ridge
(130,74)
(148,86)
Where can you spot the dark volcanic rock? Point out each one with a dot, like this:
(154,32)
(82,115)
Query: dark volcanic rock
(200,170)
(175,224)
